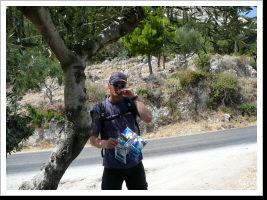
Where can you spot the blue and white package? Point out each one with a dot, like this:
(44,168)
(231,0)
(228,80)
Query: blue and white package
(120,154)
(122,139)
(139,143)
(128,131)
(129,144)
(134,153)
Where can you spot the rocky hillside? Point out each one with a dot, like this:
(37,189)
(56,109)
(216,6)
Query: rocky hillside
(191,106)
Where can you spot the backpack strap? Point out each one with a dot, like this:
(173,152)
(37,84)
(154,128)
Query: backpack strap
(132,110)
(102,116)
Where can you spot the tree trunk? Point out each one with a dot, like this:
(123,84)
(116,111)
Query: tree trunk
(163,59)
(78,125)
(71,141)
(235,47)
(149,64)
(158,60)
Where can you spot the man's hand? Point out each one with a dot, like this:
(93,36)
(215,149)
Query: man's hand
(108,144)
(111,143)
(127,92)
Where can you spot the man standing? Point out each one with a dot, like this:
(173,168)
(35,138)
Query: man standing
(115,172)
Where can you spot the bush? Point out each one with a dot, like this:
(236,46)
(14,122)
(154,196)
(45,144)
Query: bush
(203,61)
(174,110)
(39,117)
(95,92)
(144,93)
(192,78)
(173,86)
(36,115)
(224,90)
(248,109)
(147,96)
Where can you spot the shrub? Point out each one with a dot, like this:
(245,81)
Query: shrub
(39,117)
(144,93)
(248,109)
(49,114)
(203,61)
(173,86)
(95,92)
(174,110)
(224,89)
(192,78)
(147,96)
(36,115)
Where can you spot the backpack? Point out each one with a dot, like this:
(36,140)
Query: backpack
(104,118)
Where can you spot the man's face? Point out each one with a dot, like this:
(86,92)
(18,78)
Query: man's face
(116,88)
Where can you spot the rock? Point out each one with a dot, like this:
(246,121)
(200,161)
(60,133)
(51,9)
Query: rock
(227,117)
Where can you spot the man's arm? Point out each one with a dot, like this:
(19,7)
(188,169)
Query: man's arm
(103,144)
(143,111)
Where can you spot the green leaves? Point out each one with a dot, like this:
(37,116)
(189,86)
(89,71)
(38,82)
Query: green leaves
(17,125)
(148,38)
(224,89)
(189,41)
(248,109)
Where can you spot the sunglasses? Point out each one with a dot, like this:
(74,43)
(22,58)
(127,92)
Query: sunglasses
(116,85)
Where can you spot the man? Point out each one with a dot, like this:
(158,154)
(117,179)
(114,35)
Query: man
(115,171)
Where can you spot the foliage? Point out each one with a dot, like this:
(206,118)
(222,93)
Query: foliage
(144,92)
(248,109)
(173,85)
(79,22)
(224,90)
(115,50)
(203,61)
(188,42)
(17,131)
(39,117)
(191,78)
(32,71)
(17,126)
(149,37)
(228,33)
(174,110)
(29,62)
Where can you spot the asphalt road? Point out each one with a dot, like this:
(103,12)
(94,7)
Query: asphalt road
(20,163)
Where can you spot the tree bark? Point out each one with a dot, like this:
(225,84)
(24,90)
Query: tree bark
(159,60)
(163,59)
(78,125)
(149,64)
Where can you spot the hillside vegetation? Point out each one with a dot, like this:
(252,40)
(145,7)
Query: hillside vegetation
(183,100)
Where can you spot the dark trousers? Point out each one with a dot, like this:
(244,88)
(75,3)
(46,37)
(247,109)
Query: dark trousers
(135,178)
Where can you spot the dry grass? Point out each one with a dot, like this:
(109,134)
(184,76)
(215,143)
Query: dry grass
(191,127)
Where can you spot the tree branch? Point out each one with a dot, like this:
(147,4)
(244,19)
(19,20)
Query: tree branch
(111,34)
(41,18)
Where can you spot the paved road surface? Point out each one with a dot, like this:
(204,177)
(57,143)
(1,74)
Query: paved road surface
(85,172)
